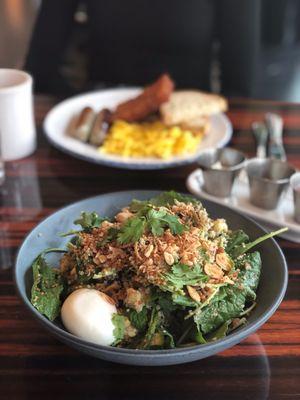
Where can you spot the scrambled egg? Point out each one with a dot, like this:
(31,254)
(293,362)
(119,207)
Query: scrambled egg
(149,139)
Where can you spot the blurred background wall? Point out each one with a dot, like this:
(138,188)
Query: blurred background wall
(248,48)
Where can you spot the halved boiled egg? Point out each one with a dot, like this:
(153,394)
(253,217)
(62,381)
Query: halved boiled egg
(87,313)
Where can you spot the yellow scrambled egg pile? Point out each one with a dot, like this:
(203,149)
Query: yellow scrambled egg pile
(149,139)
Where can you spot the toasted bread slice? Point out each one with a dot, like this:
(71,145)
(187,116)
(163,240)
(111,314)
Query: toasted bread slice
(187,105)
(199,125)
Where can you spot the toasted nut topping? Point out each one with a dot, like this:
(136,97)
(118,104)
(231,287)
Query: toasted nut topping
(193,293)
(168,258)
(149,250)
(213,270)
(107,298)
(224,261)
(123,216)
(102,258)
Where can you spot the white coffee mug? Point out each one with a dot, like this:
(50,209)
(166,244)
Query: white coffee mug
(17,128)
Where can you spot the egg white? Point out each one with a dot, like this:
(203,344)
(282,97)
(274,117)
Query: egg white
(87,313)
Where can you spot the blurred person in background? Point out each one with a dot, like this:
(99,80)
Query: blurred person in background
(249,48)
(121,42)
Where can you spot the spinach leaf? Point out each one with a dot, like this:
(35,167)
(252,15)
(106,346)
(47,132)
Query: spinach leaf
(210,317)
(47,288)
(119,330)
(250,269)
(220,332)
(89,221)
(199,338)
(183,301)
(165,302)
(139,319)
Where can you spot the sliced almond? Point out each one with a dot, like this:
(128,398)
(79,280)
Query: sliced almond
(193,293)
(107,298)
(226,279)
(223,261)
(149,250)
(169,259)
(213,270)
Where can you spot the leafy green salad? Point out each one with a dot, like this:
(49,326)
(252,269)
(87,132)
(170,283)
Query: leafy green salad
(160,274)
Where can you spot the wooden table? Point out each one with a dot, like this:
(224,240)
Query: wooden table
(35,365)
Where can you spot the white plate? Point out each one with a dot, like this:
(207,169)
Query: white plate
(58,119)
(280,217)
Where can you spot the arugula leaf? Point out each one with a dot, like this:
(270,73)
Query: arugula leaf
(47,288)
(132,230)
(89,221)
(119,330)
(243,249)
(236,239)
(182,275)
(139,319)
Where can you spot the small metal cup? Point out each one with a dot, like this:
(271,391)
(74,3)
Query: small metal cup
(295,184)
(220,168)
(268,180)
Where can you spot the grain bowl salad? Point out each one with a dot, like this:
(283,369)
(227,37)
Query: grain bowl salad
(161,274)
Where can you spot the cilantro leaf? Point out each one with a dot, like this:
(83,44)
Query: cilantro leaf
(162,200)
(182,275)
(47,288)
(132,230)
(154,221)
(89,221)
(119,330)
(157,220)
(169,198)
(111,235)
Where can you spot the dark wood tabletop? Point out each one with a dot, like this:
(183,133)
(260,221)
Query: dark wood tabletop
(34,364)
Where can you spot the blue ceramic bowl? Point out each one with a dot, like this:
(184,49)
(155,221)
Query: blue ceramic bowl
(270,293)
